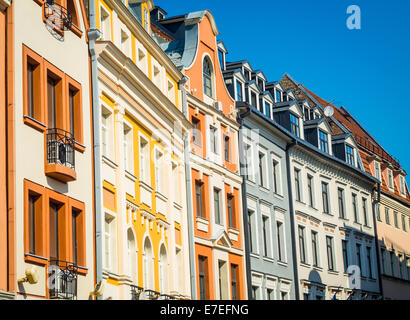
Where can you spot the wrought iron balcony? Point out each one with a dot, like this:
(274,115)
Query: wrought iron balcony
(60,155)
(57,16)
(136,292)
(62,280)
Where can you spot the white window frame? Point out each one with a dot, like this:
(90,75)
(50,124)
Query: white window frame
(144,159)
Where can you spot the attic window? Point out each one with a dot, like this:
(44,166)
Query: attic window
(323,141)
(390,178)
(349,155)
(278,96)
(402,185)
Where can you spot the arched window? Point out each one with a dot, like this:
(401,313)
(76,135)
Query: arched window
(163,271)
(208,75)
(148,266)
(132,256)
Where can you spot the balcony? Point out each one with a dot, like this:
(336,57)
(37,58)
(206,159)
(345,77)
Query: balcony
(62,280)
(60,162)
(57,17)
(138,293)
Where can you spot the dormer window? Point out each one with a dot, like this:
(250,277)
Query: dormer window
(349,155)
(146,20)
(377,170)
(285,96)
(294,125)
(390,178)
(323,141)
(402,186)
(207,77)
(254,100)
(239,95)
(221,56)
(278,96)
(267,109)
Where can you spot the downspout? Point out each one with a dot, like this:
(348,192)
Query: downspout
(93,34)
(292,221)
(377,201)
(188,181)
(244,173)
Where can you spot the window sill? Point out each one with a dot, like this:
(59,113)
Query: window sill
(35,124)
(30,258)
(333,272)
(254,255)
(82,271)
(282,263)
(267,259)
(305,265)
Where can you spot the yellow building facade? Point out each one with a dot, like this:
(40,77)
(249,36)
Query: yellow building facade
(144,223)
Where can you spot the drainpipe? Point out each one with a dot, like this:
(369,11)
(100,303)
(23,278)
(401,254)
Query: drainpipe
(243,169)
(292,221)
(188,181)
(93,34)
(375,202)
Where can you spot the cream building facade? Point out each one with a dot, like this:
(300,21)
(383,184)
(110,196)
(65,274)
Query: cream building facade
(144,222)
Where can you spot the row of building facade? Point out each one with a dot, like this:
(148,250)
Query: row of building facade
(138,163)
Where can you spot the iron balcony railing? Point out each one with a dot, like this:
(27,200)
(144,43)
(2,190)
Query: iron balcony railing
(62,280)
(138,293)
(57,16)
(60,148)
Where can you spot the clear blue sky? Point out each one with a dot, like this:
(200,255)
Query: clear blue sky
(367,70)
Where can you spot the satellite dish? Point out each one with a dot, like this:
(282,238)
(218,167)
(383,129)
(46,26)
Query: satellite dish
(329,111)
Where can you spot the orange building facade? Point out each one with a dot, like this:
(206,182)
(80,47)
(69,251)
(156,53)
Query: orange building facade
(216,182)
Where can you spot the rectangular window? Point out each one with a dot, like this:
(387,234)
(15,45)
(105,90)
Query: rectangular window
(32,84)
(310,190)
(349,155)
(315,250)
(354,203)
(377,170)
(403,223)
(377,209)
(392,263)
(359,257)
(254,102)
(390,178)
(302,250)
(281,243)
(330,256)
(297,185)
(345,251)
(34,220)
(294,125)
(325,197)
(75,216)
(239,96)
(54,231)
(106,132)
(203,278)
(51,103)
(323,141)
(341,200)
(387,215)
(227,148)
(278,96)
(75,110)
(396,219)
(275,176)
(369,262)
(158,175)
(270,294)
(365,218)
(212,136)
(107,238)
(265,234)
(267,109)
(234,281)
(249,164)
(231,211)
(251,231)
(217,206)
(384,267)
(196,132)
(199,199)
(262,181)
(402,186)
